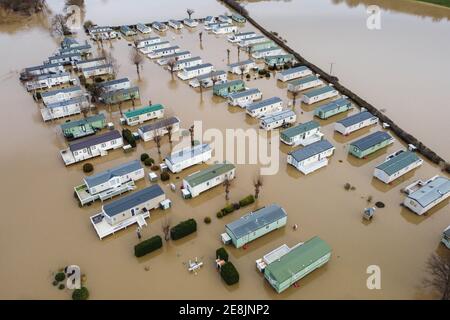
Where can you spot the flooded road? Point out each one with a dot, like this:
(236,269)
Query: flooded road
(43,228)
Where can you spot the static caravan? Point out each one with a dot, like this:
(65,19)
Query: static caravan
(29,73)
(297,263)
(142,28)
(209,20)
(446,237)
(188,157)
(121,95)
(319,94)
(177,25)
(241,66)
(254,225)
(83,49)
(264,44)
(302,134)
(159,26)
(60,95)
(47,81)
(247,41)
(91,147)
(140,115)
(147,42)
(203,180)
(355,122)
(422,196)
(116,84)
(186,63)
(68,42)
(64,108)
(112,182)
(131,209)
(191,23)
(304,83)
(262,53)
(98,71)
(227,88)
(333,108)
(261,108)
(155,46)
(293,73)
(160,127)
(102,33)
(163,52)
(96,62)
(279,60)
(396,165)
(241,36)
(84,127)
(312,157)
(277,119)
(212,26)
(225,19)
(244,98)
(224,29)
(208,80)
(180,55)
(367,145)
(127,31)
(238,18)
(193,72)
(65,59)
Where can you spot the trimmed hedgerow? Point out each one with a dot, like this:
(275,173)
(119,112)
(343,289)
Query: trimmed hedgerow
(183,229)
(147,246)
(229,273)
(60,276)
(221,253)
(247,200)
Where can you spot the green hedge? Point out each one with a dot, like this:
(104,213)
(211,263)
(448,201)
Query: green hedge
(183,229)
(144,156)
(229,274)
(221,253)
(147,246)
(128,137)
(80,294)
(247,200)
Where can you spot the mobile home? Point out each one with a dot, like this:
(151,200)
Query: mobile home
(262,53)
(159,26)
(180,55)
(277,119)
(279,60)
(65,59)
(177,25)
(250,41)
(422,196)
(84,127)
(300,261)
(188,157)
(47,81)
(238,18)
(302,134)
(241,36)
(60,95)
(160,128)
(304,83)
(244,98)
(203,180)
(241,67)
(226,88)
(446,237)
(367,145)
(224,29)
(293,73)
(209,20)
(131,209)
(96,62)
(312,157)
(140,115)
(142,28)
(254,225)
(319,94)
(127,31)
(91,147)
(193,72)
(147,42)
(113,85)
(187,63)
(355,122)
(155,46)
(191,23)
(29,73)
(333,108)
(163,52)
(260,45)
(396,165)
(110,183)
(208,80)
(224,18)
(102,33)
(64,108)
(121,95)
(214,25)
(261,108)
(106,69)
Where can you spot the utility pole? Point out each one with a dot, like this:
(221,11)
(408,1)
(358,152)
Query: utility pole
(331,68)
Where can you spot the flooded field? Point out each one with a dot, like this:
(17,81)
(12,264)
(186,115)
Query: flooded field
(43,228)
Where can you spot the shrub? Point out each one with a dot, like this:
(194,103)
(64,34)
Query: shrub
(228,209)
(229,274)
(236,206)
(147,246)
(88,167)
(61,286)
(155,167)
(80,294)
(267,75)
(128,136)
(248,76)
(55,283)
(60,276)
(165,176)
(219,214)
(144,156)
(149,162)
(347,186)
(183,229)
(221,253)
(207,220)
(262,72)
(247,200)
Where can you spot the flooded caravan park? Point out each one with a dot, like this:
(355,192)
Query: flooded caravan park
(43,228)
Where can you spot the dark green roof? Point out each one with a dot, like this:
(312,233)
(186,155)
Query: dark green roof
(208,174)
(298,259)
(398,162)
(299,129)
(143,110)
(72,124)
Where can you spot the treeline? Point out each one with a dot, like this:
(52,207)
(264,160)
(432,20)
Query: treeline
(23,6)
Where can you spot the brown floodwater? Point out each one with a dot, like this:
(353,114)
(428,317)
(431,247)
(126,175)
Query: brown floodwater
(43,228)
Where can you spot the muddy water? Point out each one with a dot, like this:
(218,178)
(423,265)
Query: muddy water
(43,228)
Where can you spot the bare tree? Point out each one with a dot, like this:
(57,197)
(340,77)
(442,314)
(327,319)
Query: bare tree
(137,60)
(438,268)
(249,51)
(166,228)
(258,183)
(242,70)
(227,185)
(228,55)
(84,111)
(190,12)
(113,61)
(239,52)
(191,131)
(59,26)
(157,137)
(171,64)
(169,129)
(200,36)
(294,98)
